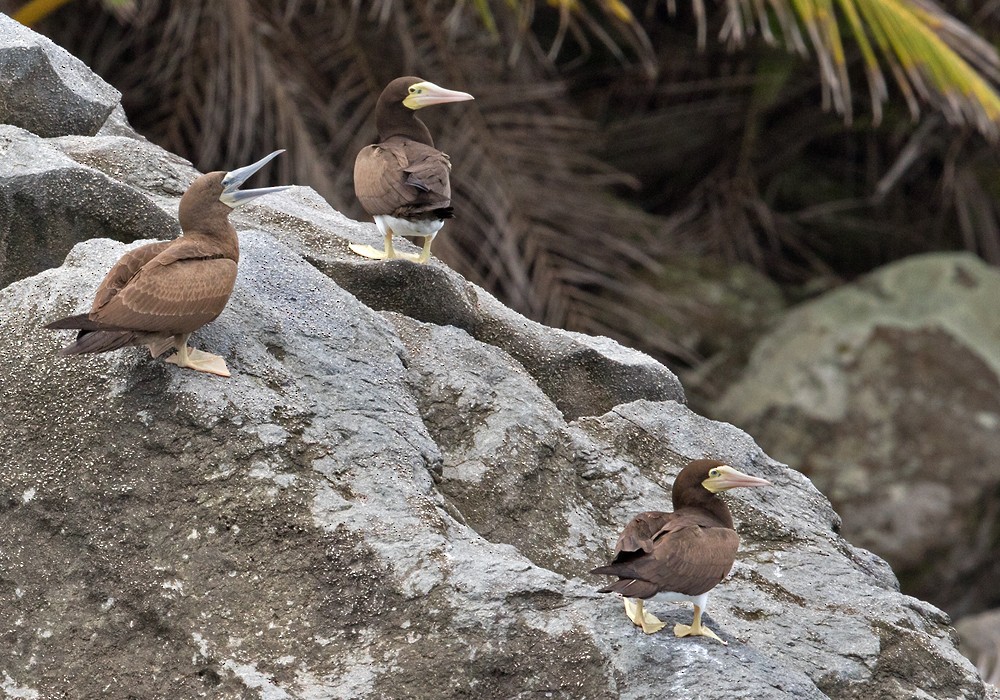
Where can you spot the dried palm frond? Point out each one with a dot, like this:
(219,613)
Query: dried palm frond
(931,55)
(214,84)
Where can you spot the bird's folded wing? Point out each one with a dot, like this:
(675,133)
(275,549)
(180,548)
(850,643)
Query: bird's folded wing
(689,560)
(637,537)
(178,297)
(401,178)
(124,270)
(429,174)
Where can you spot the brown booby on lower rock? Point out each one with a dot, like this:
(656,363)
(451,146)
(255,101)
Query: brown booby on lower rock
(403,180)
(160,293)
(679,556)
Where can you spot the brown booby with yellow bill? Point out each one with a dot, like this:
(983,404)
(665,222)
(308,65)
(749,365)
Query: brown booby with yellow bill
(679,556)
(160,293)
(403,181)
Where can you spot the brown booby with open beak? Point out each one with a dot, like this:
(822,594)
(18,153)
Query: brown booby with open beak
(679,556)
(402,180)
(160,293)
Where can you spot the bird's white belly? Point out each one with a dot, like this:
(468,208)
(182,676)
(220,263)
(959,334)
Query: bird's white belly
(404,227)
(671,597)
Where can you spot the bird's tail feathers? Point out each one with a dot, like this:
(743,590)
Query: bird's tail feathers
(88,341)
(633,588)
(78,322)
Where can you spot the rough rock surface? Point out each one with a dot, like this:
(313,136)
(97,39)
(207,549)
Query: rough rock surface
(47,90)
(49,202)
(376,506)
(397,495)
(887,394)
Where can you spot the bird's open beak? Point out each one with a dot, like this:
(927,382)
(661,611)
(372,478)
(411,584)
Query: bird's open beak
(233,197)
(725,477)
(426,93)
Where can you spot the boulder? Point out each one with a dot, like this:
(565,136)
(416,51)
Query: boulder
(49,202)
(45,89)
(887,394)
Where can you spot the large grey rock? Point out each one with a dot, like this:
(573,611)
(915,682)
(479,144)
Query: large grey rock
(49,202)
(887,394)
(573,369)
(377,506)
(47,90)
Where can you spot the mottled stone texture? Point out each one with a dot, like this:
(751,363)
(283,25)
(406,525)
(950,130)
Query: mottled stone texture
(887,394)
(47,90)
(398,493)
(49,202)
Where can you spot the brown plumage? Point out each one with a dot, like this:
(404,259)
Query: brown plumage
(158,294)
(403,181)
(680,555)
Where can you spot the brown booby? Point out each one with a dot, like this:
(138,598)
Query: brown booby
(679,556)
(402,180)
(160,293)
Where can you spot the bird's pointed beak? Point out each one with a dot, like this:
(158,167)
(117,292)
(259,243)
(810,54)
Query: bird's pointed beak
(426,93)
(233,197)
(725,477)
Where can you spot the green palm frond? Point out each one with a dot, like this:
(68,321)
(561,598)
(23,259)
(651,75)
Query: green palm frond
(932,56)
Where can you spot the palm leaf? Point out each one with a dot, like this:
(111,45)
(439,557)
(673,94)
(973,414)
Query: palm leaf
(931,55)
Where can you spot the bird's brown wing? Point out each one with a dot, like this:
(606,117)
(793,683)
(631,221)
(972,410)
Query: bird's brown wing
(178,291)
(689,554)
(400,177)
(124,270)
(637,537)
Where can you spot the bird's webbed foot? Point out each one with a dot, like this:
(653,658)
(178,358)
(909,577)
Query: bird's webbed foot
(696,629)
(637,614)
(199,361)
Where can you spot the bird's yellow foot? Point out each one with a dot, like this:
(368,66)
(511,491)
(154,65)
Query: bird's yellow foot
(696,629)
(376,254)
(199,361)
(649,622)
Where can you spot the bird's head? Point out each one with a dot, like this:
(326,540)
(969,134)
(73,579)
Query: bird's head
(722,477)
(213,195)
(416,93)
(701,479)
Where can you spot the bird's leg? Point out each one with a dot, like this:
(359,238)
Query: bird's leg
(425,254)
(649,622)
(160,346)
(390,252)
(196,359)
(374,253)
(696,628)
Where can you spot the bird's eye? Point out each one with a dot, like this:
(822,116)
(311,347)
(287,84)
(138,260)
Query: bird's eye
(714,473)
